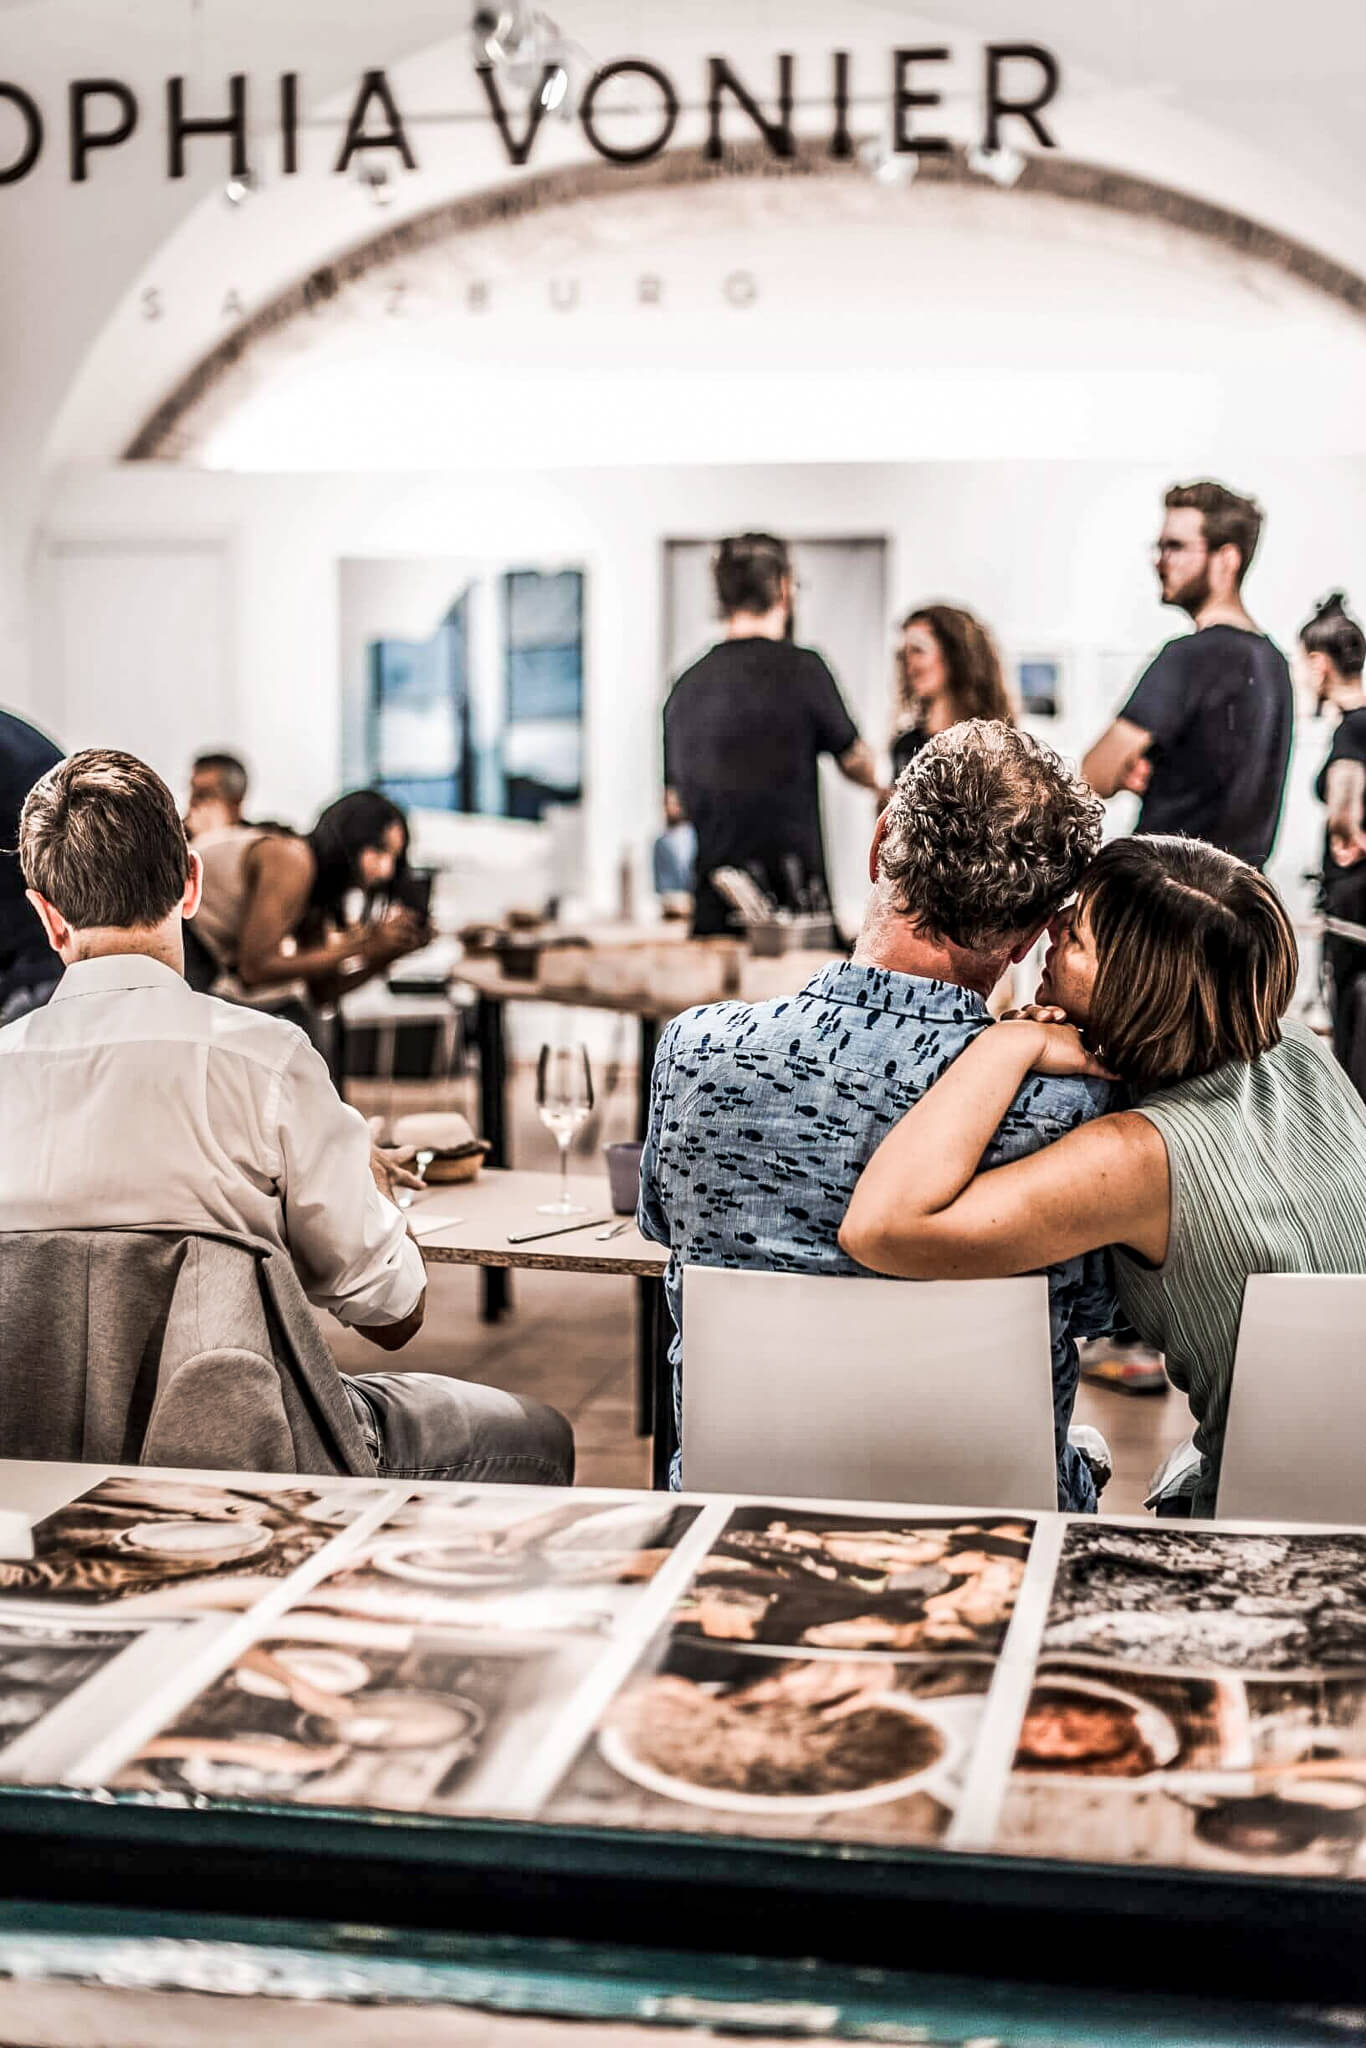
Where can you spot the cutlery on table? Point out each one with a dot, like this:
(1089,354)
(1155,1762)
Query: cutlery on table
(422,1160)
(556,1230)
(617,1228)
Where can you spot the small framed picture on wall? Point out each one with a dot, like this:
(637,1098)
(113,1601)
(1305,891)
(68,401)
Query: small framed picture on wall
(1038,683)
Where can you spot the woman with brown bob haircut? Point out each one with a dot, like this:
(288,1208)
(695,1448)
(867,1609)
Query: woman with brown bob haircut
(1242,1148)
(947,669)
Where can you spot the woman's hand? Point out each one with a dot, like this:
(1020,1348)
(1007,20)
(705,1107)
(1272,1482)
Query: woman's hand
(1346,842)
(1061,1049)
(392,936)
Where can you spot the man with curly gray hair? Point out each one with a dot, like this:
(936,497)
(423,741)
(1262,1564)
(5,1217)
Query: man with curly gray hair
(763,1115)
(985,836)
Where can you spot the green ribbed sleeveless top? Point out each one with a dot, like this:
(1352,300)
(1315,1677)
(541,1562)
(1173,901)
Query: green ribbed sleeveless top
(1268,1175)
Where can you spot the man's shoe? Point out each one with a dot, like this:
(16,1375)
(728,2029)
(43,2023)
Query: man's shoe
(1125,1368)
(1094,1453)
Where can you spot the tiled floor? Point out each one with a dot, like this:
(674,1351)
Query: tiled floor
(570,1341)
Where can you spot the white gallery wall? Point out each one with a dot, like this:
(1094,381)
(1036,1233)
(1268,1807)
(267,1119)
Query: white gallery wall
(1210,106)
(1055,556)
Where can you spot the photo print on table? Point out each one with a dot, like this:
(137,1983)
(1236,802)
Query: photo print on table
(495,1561)
(1084,1720)
(716,1740)
(1217,1772)
(320,1711)
(45,1661)
(177,1546)
(1186,1599)
(814,1579)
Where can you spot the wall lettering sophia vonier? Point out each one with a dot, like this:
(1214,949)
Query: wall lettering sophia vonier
(1018,80)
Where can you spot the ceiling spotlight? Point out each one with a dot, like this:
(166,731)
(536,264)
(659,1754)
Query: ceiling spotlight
(374,176)
(1004,167)
(531,56)
(554,87)
(238,190)
(885,165)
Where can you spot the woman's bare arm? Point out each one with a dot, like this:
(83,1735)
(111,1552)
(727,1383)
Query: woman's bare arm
(1345,792)
(279,877)
(923,1210)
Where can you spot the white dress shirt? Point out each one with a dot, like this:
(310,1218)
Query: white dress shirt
(131,1102)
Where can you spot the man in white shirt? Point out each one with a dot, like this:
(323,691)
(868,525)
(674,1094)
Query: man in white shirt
(131,1102)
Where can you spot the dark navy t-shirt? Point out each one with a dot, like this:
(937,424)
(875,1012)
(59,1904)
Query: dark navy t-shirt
(1220,708)
(25,757)
(1343,893)
(744,730)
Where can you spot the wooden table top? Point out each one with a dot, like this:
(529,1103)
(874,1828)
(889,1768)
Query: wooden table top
(482,1212)
(760,981)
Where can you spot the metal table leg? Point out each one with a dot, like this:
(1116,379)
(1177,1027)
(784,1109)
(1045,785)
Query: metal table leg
(665,1441)
(495,1288)
(650,1302)
(646,1313)
(649,1043)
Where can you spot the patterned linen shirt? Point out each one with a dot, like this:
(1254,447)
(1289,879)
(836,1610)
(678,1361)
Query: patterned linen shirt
(762,1117)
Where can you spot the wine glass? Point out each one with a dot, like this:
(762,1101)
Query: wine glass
(564,1097)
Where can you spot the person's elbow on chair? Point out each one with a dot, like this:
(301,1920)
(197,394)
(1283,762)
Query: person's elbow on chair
(868,1238)
(864,1243)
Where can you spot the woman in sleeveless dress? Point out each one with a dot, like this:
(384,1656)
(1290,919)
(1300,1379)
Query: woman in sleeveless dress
(274,908)
(1244,1151)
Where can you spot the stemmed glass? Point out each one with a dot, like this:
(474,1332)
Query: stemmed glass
(564,1097)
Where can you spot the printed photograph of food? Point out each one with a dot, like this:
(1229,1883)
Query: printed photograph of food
(826,1581)
(43,1662)
(1223,1773)
(168,1546)
(1081,1722)
(359,1717)
(496,1563)
(718,1740)
(1188,1599)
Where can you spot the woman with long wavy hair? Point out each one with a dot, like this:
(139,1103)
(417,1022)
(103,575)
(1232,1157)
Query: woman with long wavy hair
(947,669)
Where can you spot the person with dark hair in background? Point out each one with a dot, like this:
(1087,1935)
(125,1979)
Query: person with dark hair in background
(218,790)
(947,669)
(28,972)
(274,906)
(131,1102)
(214,826)
(1205,737)
(744,730)
(1335,654)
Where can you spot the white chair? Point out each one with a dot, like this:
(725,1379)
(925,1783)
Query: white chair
(1295,1442)
(852,1389)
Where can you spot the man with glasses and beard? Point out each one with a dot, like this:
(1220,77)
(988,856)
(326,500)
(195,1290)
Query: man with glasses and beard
(1204,740)
(1205,737)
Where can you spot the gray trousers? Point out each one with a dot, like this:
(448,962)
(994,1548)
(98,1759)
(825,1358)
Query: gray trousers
(419,1425)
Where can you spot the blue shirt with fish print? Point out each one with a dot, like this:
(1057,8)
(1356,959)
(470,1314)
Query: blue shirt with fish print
(762,1117)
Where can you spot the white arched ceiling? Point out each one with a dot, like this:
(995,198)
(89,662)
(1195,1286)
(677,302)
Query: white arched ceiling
(677,315)
(1211,110)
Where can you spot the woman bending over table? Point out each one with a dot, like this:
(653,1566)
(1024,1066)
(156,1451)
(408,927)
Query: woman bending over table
(273,912)
(1244,1151)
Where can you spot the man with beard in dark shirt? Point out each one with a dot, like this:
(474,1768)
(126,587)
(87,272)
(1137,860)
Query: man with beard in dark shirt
(1205,736)
(744,730)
